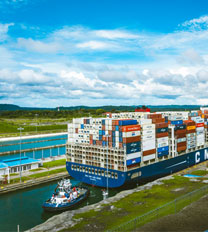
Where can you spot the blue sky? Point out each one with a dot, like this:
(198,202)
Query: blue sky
(90,52)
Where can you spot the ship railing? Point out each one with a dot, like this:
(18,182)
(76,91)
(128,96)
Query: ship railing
(172,207)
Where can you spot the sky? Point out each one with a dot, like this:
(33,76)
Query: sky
(110,52)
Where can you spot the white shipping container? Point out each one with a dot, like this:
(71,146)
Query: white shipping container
(200,129)
(181,140)
(148,132)
(148,157)
(198,137)
(146,137)
(199,143)
(191,135)
(133,155)
(145,121)
(148,144)
(164,144)
(130,134)
(148,126)
(162,140)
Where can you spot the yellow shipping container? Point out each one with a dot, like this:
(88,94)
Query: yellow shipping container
(191,127)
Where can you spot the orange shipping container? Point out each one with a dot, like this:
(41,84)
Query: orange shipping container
(132,139)
(191,127)
(160,135)
(149,152)
(131,128)
(161,125)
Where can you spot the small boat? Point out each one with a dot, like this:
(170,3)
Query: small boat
(65,197)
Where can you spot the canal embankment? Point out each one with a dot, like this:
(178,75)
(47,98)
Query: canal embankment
(127,205)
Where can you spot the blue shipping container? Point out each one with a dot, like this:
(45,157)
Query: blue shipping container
(162,130)
(103,143)
(180,127)
(117,128)
(133,161)
(100,132)
(177,122)
(82,126)
(127,122)
(133,147)
(94,142)
(103,121)
(100,137)
(163,149)
(87,121)
(113,133)
(162,153)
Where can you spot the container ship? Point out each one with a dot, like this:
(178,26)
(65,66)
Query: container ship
(122,148)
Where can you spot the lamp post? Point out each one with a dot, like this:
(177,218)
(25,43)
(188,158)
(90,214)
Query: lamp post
(36,115)
(20,129)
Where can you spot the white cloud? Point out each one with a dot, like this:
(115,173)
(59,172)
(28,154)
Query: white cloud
(4,30)
(94,45)
(197,23)
(115,34)
(38,46)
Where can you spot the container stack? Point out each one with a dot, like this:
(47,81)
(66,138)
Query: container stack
(132,143)
(148,139)
(190,134)
(161,130)
(180,136)
(121,133)
(162,140)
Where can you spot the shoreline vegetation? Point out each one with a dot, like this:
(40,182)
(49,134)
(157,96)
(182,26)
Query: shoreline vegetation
(37,121)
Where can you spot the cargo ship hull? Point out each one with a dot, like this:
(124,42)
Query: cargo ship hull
(138,175)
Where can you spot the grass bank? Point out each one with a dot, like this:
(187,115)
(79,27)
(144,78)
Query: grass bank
(54,163)
(136,204)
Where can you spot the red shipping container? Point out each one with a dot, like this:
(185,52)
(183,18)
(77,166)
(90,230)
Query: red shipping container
(200,125)
(154,116)
(191,131)
(189,122)
(132,139)
(103,127)
(182,144)
(181,148)
(157,120)
(91,141)
(120,145)
(181,136)
(178,132)
(161,125)
(149,152)
(91,137)
(113,128)
(131,128)
(160,135)
(76,130)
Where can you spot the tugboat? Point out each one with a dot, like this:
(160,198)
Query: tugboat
(65,197)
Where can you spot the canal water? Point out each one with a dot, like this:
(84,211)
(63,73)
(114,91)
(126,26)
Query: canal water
(23,207)
(33,144)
